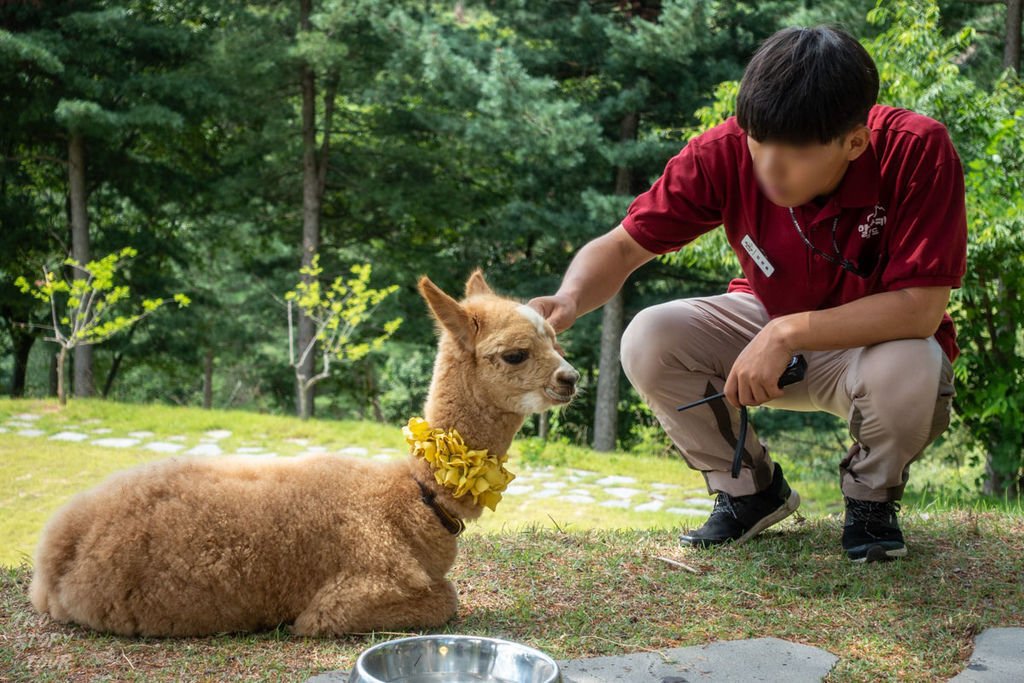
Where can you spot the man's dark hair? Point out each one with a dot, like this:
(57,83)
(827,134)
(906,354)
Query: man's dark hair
(806,86)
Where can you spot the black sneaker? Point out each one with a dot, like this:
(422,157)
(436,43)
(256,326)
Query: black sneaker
(737,518)
(871,532)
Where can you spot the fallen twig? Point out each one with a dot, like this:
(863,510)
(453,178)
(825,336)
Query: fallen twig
(680,565)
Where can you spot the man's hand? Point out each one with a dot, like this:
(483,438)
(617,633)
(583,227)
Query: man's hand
(557,309)
(754,378)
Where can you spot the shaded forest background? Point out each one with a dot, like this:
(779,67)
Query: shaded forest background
(229,143)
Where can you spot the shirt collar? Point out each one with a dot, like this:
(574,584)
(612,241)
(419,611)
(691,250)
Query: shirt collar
(859,186)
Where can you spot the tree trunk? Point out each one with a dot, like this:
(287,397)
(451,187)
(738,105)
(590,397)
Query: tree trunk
(208,379)
(606,411)
(545,422)
(1011,48)
(83,381)
(22,348)
(53,373)
(115,365)
(374,395)
(61,393)
(304,397)
(314,179)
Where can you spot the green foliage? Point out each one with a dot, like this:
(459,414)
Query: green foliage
(920,70)
(85,309)
(338,310)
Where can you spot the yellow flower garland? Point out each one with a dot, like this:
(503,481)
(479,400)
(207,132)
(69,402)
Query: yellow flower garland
(459,469)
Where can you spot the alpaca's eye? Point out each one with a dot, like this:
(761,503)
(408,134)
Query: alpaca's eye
(515,357)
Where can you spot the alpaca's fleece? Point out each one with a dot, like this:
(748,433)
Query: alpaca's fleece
(199,546)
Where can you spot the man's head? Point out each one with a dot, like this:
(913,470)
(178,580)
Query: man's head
(804,102)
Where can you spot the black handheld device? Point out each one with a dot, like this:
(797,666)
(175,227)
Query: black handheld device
(793,373)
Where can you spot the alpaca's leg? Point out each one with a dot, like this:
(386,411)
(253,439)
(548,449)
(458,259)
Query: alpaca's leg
(364,605)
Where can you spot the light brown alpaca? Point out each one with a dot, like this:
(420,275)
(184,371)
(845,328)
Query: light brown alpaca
(331,544)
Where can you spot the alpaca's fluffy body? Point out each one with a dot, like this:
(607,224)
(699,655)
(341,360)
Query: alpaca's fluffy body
(196,546)
(192,546)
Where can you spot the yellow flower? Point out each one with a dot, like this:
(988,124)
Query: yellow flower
(459,469)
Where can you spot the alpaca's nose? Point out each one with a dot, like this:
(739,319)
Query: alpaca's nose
(567,378)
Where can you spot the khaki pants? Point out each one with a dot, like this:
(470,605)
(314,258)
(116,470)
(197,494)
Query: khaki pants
(896,395)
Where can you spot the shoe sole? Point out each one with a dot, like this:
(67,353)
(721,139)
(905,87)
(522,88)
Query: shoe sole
(878,553)
(783,511)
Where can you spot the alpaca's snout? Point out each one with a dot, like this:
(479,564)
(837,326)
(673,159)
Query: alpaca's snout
(566,379)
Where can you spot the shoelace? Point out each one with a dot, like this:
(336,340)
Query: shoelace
(873,511)
(724,502)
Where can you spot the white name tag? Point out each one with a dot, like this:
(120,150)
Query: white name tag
(759,258)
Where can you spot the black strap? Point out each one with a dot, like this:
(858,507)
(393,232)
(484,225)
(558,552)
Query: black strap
(453,524)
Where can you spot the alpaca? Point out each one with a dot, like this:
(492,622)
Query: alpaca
(329,544)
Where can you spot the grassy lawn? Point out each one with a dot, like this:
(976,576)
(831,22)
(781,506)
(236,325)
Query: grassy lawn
(574,580)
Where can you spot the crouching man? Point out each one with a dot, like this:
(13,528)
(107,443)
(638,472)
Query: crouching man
(848,221)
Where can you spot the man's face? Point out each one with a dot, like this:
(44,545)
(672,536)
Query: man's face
(792,175)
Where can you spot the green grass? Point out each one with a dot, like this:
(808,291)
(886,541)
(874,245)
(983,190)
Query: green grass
(572,580)
(603,592)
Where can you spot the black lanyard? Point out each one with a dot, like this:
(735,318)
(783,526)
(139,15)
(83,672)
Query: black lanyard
(838,259)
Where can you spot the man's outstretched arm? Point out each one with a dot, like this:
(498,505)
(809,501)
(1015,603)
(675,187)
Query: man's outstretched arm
(596,273)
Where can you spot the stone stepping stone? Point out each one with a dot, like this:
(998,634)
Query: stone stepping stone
(615,480)
(662,486)
(546,493)
(354,450)
(177,437)
(28,417)
(576,498)
(102,430)
(116,442)
(996,658)
(3,430)
(582,473)
(30,432)
(140,435)
(652,506)
(163,447)
(700,502)
(298,442)
(693,512)
(615,504)
(383,457)
(760,659)
(249,450)
(622,492)
(18,424)
(517,490)
(554,485)
(218,434)
(69,436)
(205,449)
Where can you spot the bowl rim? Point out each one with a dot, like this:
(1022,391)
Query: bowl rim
(360,674)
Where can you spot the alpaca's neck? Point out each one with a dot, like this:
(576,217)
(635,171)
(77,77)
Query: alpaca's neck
(455,402)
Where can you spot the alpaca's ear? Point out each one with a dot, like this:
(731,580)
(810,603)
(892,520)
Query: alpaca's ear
(477,285)
(450,314)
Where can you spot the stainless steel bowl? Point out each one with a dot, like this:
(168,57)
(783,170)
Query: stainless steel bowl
(453,659)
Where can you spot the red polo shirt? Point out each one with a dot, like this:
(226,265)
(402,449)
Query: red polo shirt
(900,207)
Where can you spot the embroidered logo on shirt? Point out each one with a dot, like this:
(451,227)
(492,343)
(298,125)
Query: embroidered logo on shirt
(874,223)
